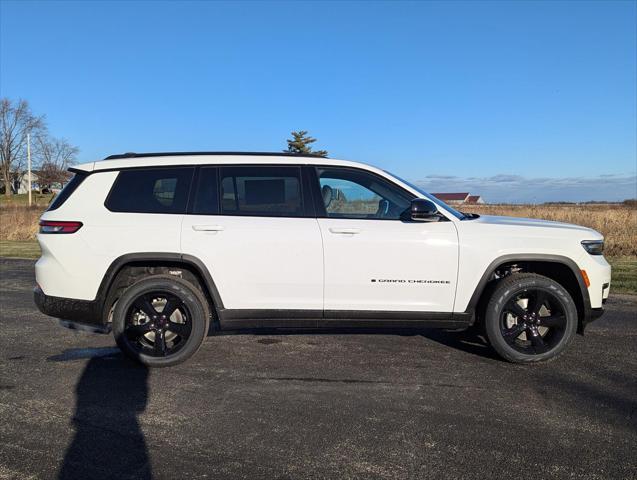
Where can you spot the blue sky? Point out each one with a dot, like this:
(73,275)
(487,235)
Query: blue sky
(520,101)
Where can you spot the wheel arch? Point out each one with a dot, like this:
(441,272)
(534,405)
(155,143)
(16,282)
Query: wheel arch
(557,267)
(133,263)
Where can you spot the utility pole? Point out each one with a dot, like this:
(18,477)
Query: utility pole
(29,165)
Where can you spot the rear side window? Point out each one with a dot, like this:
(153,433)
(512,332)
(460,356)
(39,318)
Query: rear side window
(151,190)
(261,191)
(68,189)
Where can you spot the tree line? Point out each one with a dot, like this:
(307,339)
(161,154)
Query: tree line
(50,156)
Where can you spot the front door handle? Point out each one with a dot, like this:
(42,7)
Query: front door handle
(345,231)
(207,228)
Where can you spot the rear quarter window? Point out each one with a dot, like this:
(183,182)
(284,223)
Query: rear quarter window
(151,190)
(68,189)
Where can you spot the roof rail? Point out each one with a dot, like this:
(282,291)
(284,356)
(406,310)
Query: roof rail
(180,154)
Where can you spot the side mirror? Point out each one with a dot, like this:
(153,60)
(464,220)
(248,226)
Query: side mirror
(423,210)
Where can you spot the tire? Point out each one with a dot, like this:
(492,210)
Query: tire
(110,303)
(144,333)
(530,318)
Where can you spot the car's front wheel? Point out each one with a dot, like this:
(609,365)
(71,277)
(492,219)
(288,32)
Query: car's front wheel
(160,320)
(530,318)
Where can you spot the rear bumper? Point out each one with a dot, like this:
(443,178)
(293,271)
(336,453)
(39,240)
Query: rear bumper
(73,313)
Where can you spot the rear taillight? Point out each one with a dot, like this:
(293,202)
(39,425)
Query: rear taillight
(47,226)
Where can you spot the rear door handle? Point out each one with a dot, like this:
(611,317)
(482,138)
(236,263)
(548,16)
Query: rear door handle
(345,231)
(207,228)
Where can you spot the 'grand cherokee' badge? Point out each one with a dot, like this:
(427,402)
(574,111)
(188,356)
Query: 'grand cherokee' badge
(400,280)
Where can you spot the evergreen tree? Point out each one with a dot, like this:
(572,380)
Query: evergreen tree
(301,143)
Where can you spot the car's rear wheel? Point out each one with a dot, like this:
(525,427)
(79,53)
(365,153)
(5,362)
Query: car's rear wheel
(160,320)
(530,318)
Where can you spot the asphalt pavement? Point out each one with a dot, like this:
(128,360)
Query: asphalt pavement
(435,405)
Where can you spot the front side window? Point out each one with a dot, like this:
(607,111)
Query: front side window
(350,193)
(261,191)
(151,190)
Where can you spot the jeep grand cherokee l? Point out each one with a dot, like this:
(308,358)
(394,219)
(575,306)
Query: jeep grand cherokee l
(161,248)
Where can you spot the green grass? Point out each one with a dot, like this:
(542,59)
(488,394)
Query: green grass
(23,199)
(624,268)
(19,249)
(624,279)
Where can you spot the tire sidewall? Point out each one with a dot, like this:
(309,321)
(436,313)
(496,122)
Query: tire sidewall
(513,286)
(192,299)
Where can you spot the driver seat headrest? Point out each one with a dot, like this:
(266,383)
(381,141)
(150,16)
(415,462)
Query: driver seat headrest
(328,194)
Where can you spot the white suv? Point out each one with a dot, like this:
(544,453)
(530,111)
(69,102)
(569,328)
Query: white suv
(164,248)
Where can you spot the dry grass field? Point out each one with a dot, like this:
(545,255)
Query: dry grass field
(618,223)
(19,222)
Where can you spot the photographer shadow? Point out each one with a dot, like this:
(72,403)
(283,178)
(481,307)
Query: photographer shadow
(108,441)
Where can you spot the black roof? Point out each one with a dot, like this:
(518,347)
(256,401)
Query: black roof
(179,154)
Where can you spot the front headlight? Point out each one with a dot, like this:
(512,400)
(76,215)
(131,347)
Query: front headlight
(594,247)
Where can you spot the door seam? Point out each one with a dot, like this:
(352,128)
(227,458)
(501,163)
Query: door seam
(318,224)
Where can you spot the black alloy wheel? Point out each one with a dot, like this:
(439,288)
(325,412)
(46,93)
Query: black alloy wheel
(529,318)
(157,324)
(533,322)
(161,320)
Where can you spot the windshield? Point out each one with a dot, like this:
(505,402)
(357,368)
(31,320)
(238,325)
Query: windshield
(440,203)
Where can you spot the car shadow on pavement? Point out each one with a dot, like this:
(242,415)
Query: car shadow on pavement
(468,341)
(108,441)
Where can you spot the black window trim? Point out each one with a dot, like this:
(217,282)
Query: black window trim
(306,171)
(306,185)
(318,198)
(310,187)
(194,190)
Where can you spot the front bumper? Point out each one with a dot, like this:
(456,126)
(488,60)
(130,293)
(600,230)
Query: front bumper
(598,271)
(596,313)
(590,315)
(73,313)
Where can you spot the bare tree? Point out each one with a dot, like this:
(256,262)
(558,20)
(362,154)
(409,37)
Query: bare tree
(55,155)
(16,121)
(49,174)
